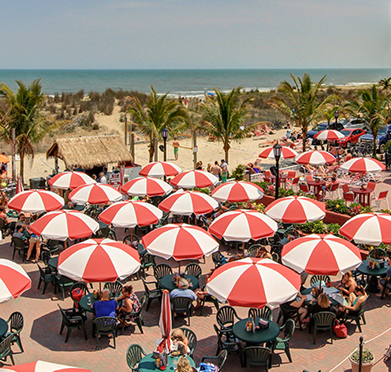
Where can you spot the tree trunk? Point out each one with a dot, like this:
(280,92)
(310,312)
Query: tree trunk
(151,151)
(226,150)
(304,130)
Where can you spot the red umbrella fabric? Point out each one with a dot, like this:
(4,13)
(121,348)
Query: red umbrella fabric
(194,178)
(296,209)
(61,225)
(36,201)
(320,254)
(146,186)
(237,192)
(19,186)
(286,153)
(315,158)
(98,193)
(180,242)
(363,165)
(13,280)
(165,323)
(70,180)
(252,282)
(99,260)
(41,366)
(160,169)
(329,135)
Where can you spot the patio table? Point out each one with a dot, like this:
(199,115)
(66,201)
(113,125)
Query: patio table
(167,282)
(3,327)
(281,179)
(258,336)
(148,363)
(372,274)
(364,196)
(317,186)
(83,302)
(53,262)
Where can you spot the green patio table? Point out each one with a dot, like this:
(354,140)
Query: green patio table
(148,363)
(167,282)
(3,327)
(372,274)
(83,302)
(258,336)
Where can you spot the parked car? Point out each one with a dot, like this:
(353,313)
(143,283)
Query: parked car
(357,123)
(352,136)
(322,126)
(383,136)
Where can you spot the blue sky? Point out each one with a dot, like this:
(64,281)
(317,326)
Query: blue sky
(195,34)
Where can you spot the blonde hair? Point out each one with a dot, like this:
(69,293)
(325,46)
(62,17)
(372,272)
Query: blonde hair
(184,365)
(177,333)
(183,283)
(323,301)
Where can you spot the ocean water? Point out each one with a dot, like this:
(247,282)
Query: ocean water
(182,82)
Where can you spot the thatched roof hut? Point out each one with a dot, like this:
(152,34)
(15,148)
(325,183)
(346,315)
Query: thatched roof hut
(90,152)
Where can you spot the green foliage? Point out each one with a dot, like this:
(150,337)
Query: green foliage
(337,205)
(317,227)
(285,192)
(238,172)
(333,228)
(258,207)
(385,211)
(366,356)
(266,186)
(205,190)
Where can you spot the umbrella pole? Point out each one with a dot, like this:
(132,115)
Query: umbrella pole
(179,267)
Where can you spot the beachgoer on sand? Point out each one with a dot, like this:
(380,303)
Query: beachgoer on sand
(216,170)
(224,170)
(176,147)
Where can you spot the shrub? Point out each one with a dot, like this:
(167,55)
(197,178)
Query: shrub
(366,356)
(317,227)
(205,190)
(337,205)
(238,172)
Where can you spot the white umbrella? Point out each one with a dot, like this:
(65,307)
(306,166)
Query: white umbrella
(36,201)
(13,280)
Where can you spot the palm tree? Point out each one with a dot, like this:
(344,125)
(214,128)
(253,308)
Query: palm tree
(301,103)
(385,84)
(373,106)
(21,112)
(224,116)
(159,113)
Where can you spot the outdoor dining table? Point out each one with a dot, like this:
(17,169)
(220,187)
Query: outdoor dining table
(364,196)
(83,302)
(3,327)
(258,336)
(281,179)
(167,282)
(53,262)
(148,363)
(317,187)
(372,275)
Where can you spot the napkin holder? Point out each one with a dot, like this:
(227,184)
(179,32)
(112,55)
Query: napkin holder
(263,324)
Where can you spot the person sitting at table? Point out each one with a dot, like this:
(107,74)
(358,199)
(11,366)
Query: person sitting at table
(295,304)
(385,281)
(130,302)
(184,291)
(19,233)
(183,365)
(348,155)
(348,285)
(328,186)
(179,341)
(104,307)
(322,304)
(263,252)
(354,301)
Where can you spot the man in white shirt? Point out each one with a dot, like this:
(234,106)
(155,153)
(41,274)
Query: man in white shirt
(103,178)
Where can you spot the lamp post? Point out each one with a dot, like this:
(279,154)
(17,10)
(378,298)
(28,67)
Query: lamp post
(165,135)
(336,114)
(277,154)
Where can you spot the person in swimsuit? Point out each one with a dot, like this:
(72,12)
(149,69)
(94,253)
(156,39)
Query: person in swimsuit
(130,302)
(176,147)
(348,285)
(355,300)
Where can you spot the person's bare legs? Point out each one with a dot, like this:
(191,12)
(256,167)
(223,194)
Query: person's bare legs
(38,250)
(31,247)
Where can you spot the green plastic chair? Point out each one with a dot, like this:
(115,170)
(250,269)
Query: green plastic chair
(323,321)
(218,360)
(105,325)
(252,251)
(5,349)
(152,294)
(192,338)
(115,288)
(194,270)
(133,356)
(265,313)
(283,343)
(257,356)
(16,323)
(377,253)
(316,278)
(357,315)
(63,282)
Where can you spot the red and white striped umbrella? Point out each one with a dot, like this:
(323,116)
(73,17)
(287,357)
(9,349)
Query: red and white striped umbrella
(286,153)
(237,191)
(146,186)
(64,224)
(321,255)
(315,158)
(185,203)
(160,169)
(70,180)
(329,135)
(252,282)
(41,366)
(296,209)
(129,214)
(194,178)
(98,193)
(13,280)
(19,186)
(241,225)
(165,323)
(363,165)
(36,201)
(180,242)
(368,228)
(98,260)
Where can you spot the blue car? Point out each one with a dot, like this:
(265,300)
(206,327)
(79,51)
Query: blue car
(383,136)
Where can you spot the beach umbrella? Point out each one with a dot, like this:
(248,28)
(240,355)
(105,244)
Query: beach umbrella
(363,165)
(180,242)
(252,282)
(146,186)
(70,180)
(296,209)
(129,214)
(185,203)
(286,153)
(237,192)
(41,366)
(315,158)
(19,185)
(98,193)
(194,178)
(165,323)
(242,225)
(320,254)
(98,260)
(160,169)
(4,159)
(36,201)
(368,228)
(64,224)
(13,280)
(329,135)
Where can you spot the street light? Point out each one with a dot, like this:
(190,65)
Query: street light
(277,154)
(336,114)
(165,135)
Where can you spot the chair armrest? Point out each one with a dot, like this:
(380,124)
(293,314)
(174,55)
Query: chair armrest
(209,357)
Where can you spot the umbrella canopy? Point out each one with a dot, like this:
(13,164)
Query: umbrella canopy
(368,228)
(315,158)
(160,169)
(237,191)
(4,159)
(321,255)
(36,201)
(286,153)
(241,225)
(19,186)
(130,214)
(64,224)
(99,260)
(165,323)
(146,186)
(363,165)
(194,178)
(180,242)
(185,203)
(98,193)
(13,280)
(296,209)
(70,180)
(41,366)
(329,135)
(235,282)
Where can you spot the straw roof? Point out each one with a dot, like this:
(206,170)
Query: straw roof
(88,152)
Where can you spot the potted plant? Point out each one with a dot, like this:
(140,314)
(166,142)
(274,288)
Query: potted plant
(367,360)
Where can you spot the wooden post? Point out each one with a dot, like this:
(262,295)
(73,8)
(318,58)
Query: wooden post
(13,155)
(195,148)
(126,130)
(132,146)
(156,150)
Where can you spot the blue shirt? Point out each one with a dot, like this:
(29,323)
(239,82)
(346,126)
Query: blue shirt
(104,308)
(183,293)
